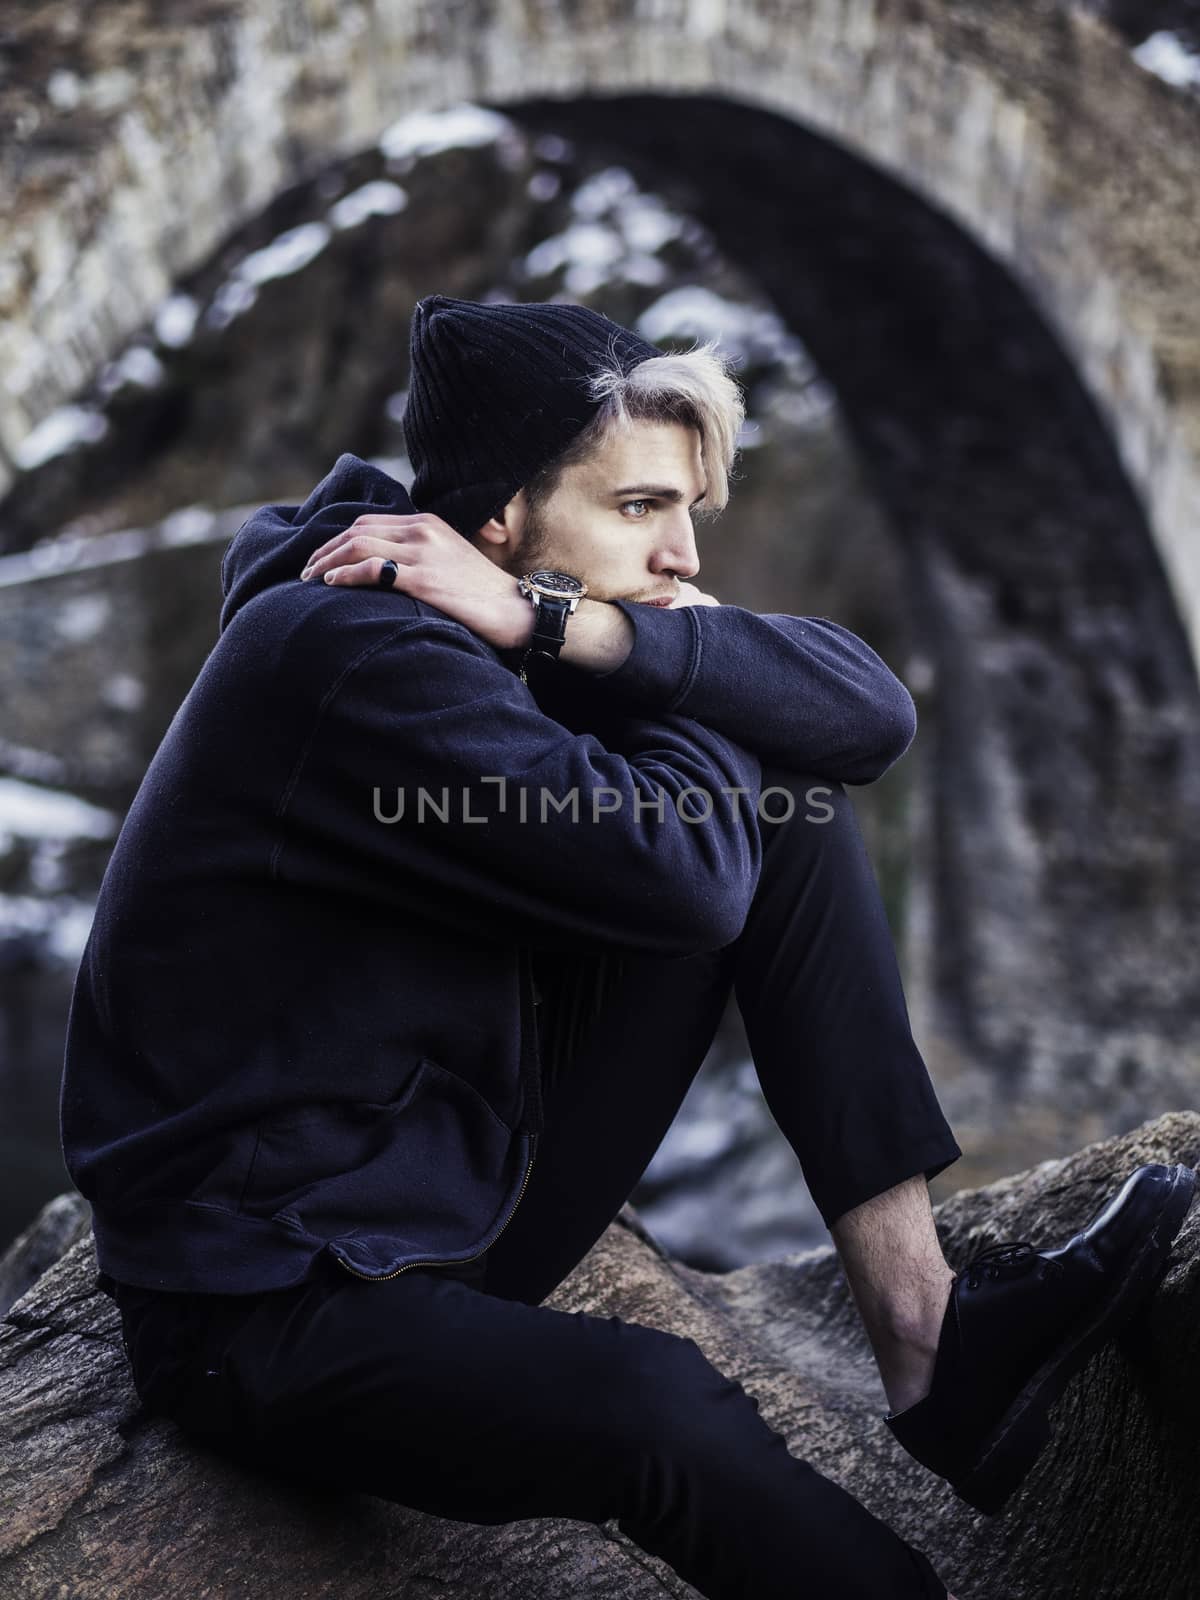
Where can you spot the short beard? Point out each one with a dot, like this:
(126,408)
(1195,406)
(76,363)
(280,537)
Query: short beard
(533,554)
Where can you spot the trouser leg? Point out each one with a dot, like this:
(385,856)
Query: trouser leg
(818,985)
(613,1091)
(426,1391)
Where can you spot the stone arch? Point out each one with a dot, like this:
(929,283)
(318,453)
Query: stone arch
(139,144)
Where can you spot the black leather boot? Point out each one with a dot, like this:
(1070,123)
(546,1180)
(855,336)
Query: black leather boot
(1020,1322)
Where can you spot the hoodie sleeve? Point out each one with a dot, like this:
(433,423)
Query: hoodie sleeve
(526,830)
(803,693)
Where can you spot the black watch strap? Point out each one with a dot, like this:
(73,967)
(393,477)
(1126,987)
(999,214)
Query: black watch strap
(549,626)
(550,613)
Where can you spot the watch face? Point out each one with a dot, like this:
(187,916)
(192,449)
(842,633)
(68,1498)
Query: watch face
(557,583)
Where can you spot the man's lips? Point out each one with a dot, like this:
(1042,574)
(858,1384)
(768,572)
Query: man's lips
(662,600)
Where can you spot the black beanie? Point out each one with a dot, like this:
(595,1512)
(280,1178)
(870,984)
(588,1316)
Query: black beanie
(495,393)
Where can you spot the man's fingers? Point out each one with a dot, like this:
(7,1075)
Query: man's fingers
(364,527)
(353,553)
(690,595)
(326,549)
(336,545)
(358,547)
(363,574)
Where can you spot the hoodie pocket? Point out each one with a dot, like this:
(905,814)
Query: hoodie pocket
(427,1165)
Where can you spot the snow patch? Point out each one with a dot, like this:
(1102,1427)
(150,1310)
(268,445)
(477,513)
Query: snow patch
(82,617)
(175,321)
(30,812)
(378,199)
(61,431)
(426,133)
(1166,55)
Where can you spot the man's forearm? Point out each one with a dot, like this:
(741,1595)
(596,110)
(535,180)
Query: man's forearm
(801,692)
(599,637)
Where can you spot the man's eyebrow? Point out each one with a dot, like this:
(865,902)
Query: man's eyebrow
(658,490)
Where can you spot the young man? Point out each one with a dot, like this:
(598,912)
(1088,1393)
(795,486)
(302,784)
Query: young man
(420,926)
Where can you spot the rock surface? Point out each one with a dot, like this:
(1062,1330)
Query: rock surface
(100,1503)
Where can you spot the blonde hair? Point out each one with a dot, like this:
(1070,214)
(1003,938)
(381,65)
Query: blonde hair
(693,387)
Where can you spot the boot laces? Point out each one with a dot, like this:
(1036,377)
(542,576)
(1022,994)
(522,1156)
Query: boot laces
(1011,1257)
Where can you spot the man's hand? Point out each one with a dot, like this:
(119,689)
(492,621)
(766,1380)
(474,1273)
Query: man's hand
(435,564)
(689,595)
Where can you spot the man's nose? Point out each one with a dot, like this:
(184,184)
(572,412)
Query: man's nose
(678,553)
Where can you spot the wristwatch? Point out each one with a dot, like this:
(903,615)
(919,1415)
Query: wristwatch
(554,596)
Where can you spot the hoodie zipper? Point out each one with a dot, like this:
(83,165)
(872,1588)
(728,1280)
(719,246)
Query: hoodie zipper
(530,1073)
(530,1067)
(380,1277)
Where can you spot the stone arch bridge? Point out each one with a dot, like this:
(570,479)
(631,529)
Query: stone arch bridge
(981,217)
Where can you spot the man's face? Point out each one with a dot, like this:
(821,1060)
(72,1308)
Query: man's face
(624,545)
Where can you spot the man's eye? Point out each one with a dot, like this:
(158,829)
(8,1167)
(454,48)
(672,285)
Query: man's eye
(636,503)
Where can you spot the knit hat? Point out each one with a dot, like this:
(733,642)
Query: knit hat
(495,393)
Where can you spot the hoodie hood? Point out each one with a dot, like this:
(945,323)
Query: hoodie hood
(272,545)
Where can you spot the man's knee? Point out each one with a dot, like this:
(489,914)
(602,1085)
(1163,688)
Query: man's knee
(675,1401)
(791,797)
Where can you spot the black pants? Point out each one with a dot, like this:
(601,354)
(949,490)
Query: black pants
(459,1393)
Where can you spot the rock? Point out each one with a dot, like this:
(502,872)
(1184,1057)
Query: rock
(100,1502)
(61,1223)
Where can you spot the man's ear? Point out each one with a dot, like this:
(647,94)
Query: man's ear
(503,533)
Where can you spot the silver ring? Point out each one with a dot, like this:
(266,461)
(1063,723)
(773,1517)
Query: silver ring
(387,575)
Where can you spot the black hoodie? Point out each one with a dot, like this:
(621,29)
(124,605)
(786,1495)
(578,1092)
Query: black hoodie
(303,1019)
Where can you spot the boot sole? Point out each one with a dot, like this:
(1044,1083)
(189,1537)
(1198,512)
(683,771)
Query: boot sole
(1024,1430)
